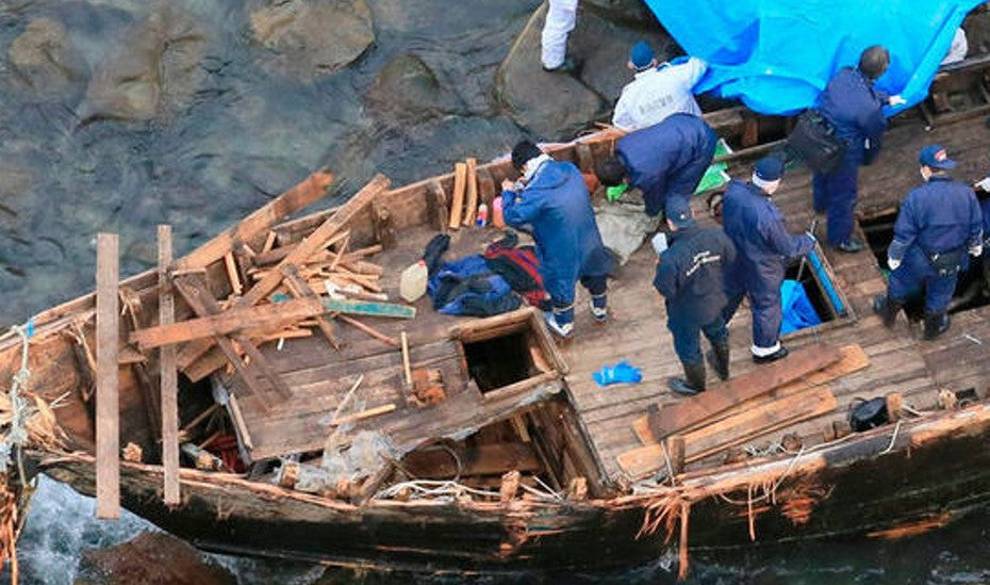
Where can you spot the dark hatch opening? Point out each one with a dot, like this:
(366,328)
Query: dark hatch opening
(500,361)
(971,290)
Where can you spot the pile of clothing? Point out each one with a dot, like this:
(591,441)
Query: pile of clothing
(482,285)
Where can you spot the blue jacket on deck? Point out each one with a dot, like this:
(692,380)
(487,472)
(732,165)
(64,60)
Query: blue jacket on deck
(557,205)
(940,216)
(667,158)
(855,110)
(756,227)
(691,276)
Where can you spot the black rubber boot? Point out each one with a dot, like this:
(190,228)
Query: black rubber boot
(718,359)
(777,355)
(695,382)
(936,324)
(887,308)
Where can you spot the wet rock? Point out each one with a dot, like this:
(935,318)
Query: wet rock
(150,559)
(551,105)
(557,105)
(407,90)
(153,70)
(43,57)
(634,12)
(309,38)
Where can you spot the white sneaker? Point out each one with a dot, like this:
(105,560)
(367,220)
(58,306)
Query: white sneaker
(600,315)
(563,331)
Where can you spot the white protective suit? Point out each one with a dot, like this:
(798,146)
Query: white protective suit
(561,19)
(658,93)
(959,48)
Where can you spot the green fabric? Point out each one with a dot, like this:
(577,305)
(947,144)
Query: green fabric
(614,193)
(716,176)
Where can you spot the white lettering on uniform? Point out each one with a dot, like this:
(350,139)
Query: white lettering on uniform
(701,259)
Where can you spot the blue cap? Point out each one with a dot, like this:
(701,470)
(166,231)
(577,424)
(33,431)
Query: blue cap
(679,212)
(770,168)
(934,156)
(641,55)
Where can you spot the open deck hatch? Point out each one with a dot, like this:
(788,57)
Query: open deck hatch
(972,290)
(821,288)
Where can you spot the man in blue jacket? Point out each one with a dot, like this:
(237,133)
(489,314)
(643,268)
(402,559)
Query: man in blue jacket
(552,201)
(665,161)
(855,111)
(690,277)
(938,224)
(764,246)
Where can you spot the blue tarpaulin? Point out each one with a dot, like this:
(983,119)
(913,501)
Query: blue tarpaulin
(778,55)
(797,308)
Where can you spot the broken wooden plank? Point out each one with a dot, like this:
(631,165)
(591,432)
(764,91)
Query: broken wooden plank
(486,188)
(371,331)
(107,370)
(369,413)
(268,317)
(318,239)
(167,373)
(471,205)
(457,203)
(494,459)
(204,305)
(853,359)
(277,254)
(687,414)
(301,290)
(407,370)
(438,205)
(232,276)
(308,191)
(736,430)
(370,308)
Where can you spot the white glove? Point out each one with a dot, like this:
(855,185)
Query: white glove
(812,236)
(976,250)
(983,185)
(893,263)
(896,100)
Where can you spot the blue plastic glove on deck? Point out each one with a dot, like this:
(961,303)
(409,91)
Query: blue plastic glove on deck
(620,373)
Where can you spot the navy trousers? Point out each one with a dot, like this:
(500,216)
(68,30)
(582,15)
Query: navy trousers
(767,312)
(835,193)
(916,273)
(687,337)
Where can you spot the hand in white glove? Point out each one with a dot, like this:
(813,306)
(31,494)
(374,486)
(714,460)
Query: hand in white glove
(983,185)
(893,263)
(896,100)
(976,250)
(812,236)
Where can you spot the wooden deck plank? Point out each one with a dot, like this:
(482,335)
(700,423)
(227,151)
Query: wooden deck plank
(168,378)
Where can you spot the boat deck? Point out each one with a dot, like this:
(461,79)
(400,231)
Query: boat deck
(899,360)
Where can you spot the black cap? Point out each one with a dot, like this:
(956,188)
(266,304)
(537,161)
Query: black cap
(524,152)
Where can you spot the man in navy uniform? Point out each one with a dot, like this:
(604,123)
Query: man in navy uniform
(552,200)
(938,225)
(764,246)
(690,276)
(665,161)
(854,108)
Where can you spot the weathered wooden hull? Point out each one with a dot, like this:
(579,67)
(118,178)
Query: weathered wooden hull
(875,484)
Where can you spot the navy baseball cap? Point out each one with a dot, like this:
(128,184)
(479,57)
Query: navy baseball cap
(641,55)
(770,168)
(934,156)
(679,212)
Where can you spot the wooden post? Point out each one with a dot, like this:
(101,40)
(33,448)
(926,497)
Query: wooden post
(471,207)
(107,402)
(405,359)
(486,189)
(895,403)
(383,225)
(457,203)
(167,373)
(438,201)
(677,451)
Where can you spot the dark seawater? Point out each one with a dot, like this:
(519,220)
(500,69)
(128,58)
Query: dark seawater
(233,128)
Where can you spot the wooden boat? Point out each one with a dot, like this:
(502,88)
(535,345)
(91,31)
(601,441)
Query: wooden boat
(521,461)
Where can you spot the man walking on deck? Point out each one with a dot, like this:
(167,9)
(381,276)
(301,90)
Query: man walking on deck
(691,279)
(561,20)
(764,246)
(854,109)
(665,161)
(938,225)
(658,91)
(552,200)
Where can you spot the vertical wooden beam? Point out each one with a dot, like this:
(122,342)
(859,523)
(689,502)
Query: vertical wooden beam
(107,403)
(471,206)
(438,201)
(457,203)
(167,373)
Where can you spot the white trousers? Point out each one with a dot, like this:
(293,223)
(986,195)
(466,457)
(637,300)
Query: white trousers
(561,19)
